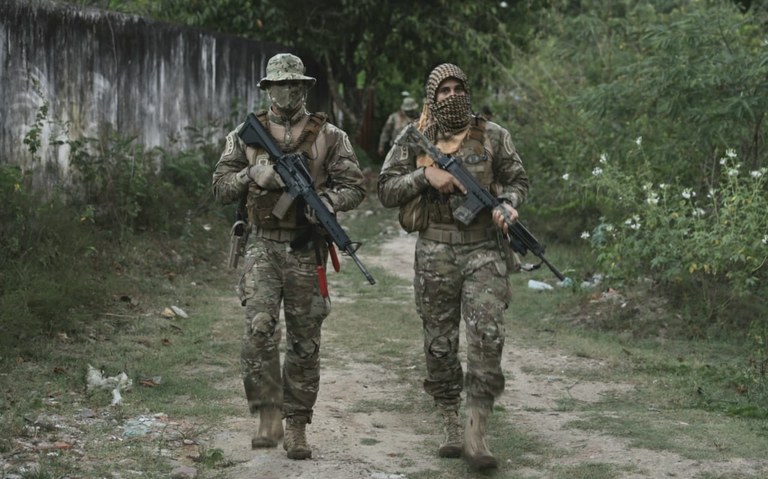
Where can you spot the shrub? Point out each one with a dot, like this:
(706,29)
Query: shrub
(713,244)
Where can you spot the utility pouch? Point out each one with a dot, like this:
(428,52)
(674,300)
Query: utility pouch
(414,215)
(237,243)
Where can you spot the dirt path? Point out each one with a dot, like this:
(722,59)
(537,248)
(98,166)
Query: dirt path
(400,444)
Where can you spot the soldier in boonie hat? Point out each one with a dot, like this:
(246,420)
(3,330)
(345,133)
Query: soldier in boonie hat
(286,84)
(285,67)
(283,386)
(410,106)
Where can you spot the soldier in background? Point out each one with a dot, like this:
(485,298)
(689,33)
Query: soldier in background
(460,271)
(408,112)
(281,261)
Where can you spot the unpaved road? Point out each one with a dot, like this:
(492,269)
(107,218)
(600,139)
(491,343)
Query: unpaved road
(352,445)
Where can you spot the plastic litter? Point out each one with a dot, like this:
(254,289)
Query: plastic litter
(95,379)
(540,285)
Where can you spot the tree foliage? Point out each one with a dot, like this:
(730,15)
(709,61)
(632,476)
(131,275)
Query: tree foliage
(383,46)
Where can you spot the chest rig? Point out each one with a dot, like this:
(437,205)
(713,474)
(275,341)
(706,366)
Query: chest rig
(479,163)
(261,204)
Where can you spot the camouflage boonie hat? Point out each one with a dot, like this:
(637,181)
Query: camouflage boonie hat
(409,104)
(284,67)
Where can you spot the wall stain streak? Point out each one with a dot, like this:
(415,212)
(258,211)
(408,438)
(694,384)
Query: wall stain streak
(101,70)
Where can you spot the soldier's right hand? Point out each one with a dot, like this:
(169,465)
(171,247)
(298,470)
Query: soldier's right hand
(265,177)
(443,181)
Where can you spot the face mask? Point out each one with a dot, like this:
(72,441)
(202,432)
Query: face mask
(288,97)
(452,114)
(413,114)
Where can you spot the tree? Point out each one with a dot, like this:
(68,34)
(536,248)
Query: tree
(367,45)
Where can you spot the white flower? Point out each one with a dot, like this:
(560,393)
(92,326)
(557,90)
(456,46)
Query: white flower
(756,174)
(653,199)
(639,140)
(765,239)
(603,158)
(723,161)
(688,193)
(647,186)
(585,235)
(597,171)
(730,153)
(733,171)
(609,227)
(663,186)
(566,176)
(633,222)
(698,212)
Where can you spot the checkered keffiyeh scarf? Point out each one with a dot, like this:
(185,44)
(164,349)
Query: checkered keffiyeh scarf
(453,113)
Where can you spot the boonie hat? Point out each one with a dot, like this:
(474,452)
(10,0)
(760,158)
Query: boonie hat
(284,67)
(409,104)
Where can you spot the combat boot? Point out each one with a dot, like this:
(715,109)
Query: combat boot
(270,428)
(476,451)
(451,447)
(295,442)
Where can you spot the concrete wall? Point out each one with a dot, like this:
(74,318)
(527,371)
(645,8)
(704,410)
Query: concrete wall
(144,78)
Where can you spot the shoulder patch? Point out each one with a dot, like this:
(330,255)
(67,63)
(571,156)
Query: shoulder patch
(348,145)
(230,144)
(508,143)
(403,152)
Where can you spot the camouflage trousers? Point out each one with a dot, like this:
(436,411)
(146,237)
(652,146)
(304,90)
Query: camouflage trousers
(466,281)
(278,276)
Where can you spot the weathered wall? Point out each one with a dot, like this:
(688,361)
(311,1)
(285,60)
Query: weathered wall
(94,68)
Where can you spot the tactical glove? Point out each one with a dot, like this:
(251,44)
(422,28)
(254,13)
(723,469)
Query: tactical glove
(310,213)
(264,176)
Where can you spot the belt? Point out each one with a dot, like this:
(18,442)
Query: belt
(456,236)
(278,234)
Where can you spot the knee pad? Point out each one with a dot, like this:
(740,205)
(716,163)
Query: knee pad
(262,324)
(441,347)
(305,349)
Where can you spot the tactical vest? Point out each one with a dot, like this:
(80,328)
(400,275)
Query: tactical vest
(260,203)
(477,160)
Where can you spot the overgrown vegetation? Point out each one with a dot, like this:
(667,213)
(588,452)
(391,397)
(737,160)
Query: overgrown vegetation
(66,252)
(642,126)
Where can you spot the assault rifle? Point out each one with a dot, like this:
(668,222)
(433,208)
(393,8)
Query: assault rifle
(298,183)
(478,198)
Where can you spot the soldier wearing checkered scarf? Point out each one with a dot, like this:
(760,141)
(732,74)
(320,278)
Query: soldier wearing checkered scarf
(460,270)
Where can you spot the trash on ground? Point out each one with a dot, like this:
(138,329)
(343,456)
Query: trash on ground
(95,379)
(540,285)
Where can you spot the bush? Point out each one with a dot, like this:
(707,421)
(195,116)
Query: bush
(659,70)
(711,244)
(60,265)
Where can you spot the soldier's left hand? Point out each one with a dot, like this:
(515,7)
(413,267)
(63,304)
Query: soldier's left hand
(504,215)
(310,212)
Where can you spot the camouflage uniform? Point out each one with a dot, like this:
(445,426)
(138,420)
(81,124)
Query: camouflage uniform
(278,268)
(396,122)
(460,270)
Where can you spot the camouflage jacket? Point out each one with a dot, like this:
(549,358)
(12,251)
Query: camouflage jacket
(400,180)
(332,162)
